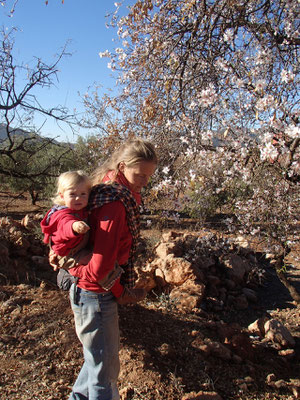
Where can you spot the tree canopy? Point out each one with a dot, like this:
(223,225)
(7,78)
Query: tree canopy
(192,71)
(214,84)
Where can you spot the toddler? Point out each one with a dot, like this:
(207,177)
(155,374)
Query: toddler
(64,225)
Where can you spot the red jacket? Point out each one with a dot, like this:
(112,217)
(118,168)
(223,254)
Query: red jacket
(59,227)
(111,241)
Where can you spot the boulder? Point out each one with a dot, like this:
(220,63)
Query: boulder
(278,333)
(176,270)
(257,327)
(166,248)
(189,295)
(236,268)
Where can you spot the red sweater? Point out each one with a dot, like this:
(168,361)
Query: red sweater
(111,241)
(59,227)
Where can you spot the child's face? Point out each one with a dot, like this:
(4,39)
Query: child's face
(76,197)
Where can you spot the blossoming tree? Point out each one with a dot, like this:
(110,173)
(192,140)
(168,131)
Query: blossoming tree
(214,83)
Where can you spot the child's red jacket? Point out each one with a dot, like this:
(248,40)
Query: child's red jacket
(57,225)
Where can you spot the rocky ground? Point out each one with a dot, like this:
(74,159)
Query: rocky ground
(195,343)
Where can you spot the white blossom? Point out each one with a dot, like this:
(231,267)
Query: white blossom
(287,76)
(228,35)
(184,139)
(106,53)
(293,131)
(192,174)
(260,85)
(111,66)
(265,102)
(268,152)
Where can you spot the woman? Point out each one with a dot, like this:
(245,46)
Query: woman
(114,222)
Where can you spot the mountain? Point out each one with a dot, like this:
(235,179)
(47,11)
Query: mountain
(3,134)
(23,133)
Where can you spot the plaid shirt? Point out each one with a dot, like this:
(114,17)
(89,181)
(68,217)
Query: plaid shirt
(106,193)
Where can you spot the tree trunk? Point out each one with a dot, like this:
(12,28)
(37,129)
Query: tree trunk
(279,267)
(34,197)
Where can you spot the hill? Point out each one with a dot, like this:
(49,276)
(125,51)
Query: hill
(15,132)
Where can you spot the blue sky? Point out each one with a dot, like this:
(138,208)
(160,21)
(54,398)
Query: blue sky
(44,29)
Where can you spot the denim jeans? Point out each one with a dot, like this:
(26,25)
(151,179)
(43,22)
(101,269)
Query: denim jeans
(97,327)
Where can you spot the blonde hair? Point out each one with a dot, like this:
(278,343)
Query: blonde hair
(69,180)
(131,152)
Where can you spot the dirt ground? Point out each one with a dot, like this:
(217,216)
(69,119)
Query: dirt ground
(41,355)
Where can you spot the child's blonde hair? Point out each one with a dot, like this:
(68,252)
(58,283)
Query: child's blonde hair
(69,180)
(131,152)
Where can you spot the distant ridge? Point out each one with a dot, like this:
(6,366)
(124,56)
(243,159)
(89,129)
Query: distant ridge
(3,134)
(22,133)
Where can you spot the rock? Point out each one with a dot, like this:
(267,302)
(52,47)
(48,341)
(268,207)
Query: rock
(240,302)
(199,274)
(242,242)
(214,304)
(212,291)
(164,249)
(166,350)
(213,280)
(257,327)
(226,331)
(202,396)
(22,246)
(189,295)
(159,277)
(278,333)
(126,393)
(11,304)
(176,270)
(288,354)
(243,387)
(250,295)
(219,350)
(279,384)
(145,280)
(169,236)
(31,222)
(236,268)
(270,378)
(241,345)
(205,262)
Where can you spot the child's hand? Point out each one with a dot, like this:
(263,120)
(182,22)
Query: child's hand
(80,227)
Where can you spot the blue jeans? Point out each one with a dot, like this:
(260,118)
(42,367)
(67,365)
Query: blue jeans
(97,327)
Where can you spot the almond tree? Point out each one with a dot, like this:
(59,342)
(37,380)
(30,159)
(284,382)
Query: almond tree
(215,85)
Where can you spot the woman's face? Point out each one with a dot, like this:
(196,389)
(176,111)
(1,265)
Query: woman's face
(139,174)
